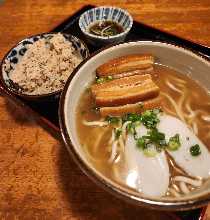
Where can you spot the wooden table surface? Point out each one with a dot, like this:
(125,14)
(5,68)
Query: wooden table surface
(38,179)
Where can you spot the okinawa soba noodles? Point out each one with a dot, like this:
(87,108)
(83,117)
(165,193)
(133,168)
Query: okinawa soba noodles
(135,152)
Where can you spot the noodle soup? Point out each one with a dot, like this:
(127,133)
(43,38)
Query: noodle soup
(106,144)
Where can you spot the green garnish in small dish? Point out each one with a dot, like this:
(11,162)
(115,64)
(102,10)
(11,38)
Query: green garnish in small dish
(106,28)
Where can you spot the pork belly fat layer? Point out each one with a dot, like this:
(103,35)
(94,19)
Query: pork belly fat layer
(119,83)
(127,95)
(148,70)
(124,64)
(131,108)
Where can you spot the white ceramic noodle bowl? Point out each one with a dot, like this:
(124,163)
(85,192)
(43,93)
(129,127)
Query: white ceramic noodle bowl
(180,59)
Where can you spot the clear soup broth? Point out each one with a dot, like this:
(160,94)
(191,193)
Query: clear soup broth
(181,97)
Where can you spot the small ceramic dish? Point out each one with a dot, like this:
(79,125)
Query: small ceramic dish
(178,58)
(15,54)
(105,13)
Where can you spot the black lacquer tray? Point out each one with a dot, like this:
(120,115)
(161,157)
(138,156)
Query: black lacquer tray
(47,112)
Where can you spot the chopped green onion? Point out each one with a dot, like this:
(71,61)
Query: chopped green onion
(118,132)
(150,152)
(137,123)
(141,143)
(150,118)
(174,143)
(109,78)
(131,128)
(112,120)
(132,117)
(100,80)
(195,150)
(157,110)
(156,137)
(153,137)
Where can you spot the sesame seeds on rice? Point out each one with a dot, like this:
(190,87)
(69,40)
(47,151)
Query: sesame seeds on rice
(46,65)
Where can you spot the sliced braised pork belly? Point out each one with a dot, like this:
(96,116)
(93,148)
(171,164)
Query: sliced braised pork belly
(128,94)
(125,64)
(131,108)
(124,86)
(120,83)
(148,70)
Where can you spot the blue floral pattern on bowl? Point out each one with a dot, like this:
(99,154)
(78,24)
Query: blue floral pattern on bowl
(118,15)
(17,52)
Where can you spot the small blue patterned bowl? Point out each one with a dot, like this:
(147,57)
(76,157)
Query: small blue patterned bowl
(15,54)
(118,15)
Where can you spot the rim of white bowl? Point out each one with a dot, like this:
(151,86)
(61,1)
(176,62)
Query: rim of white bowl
(107,184)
